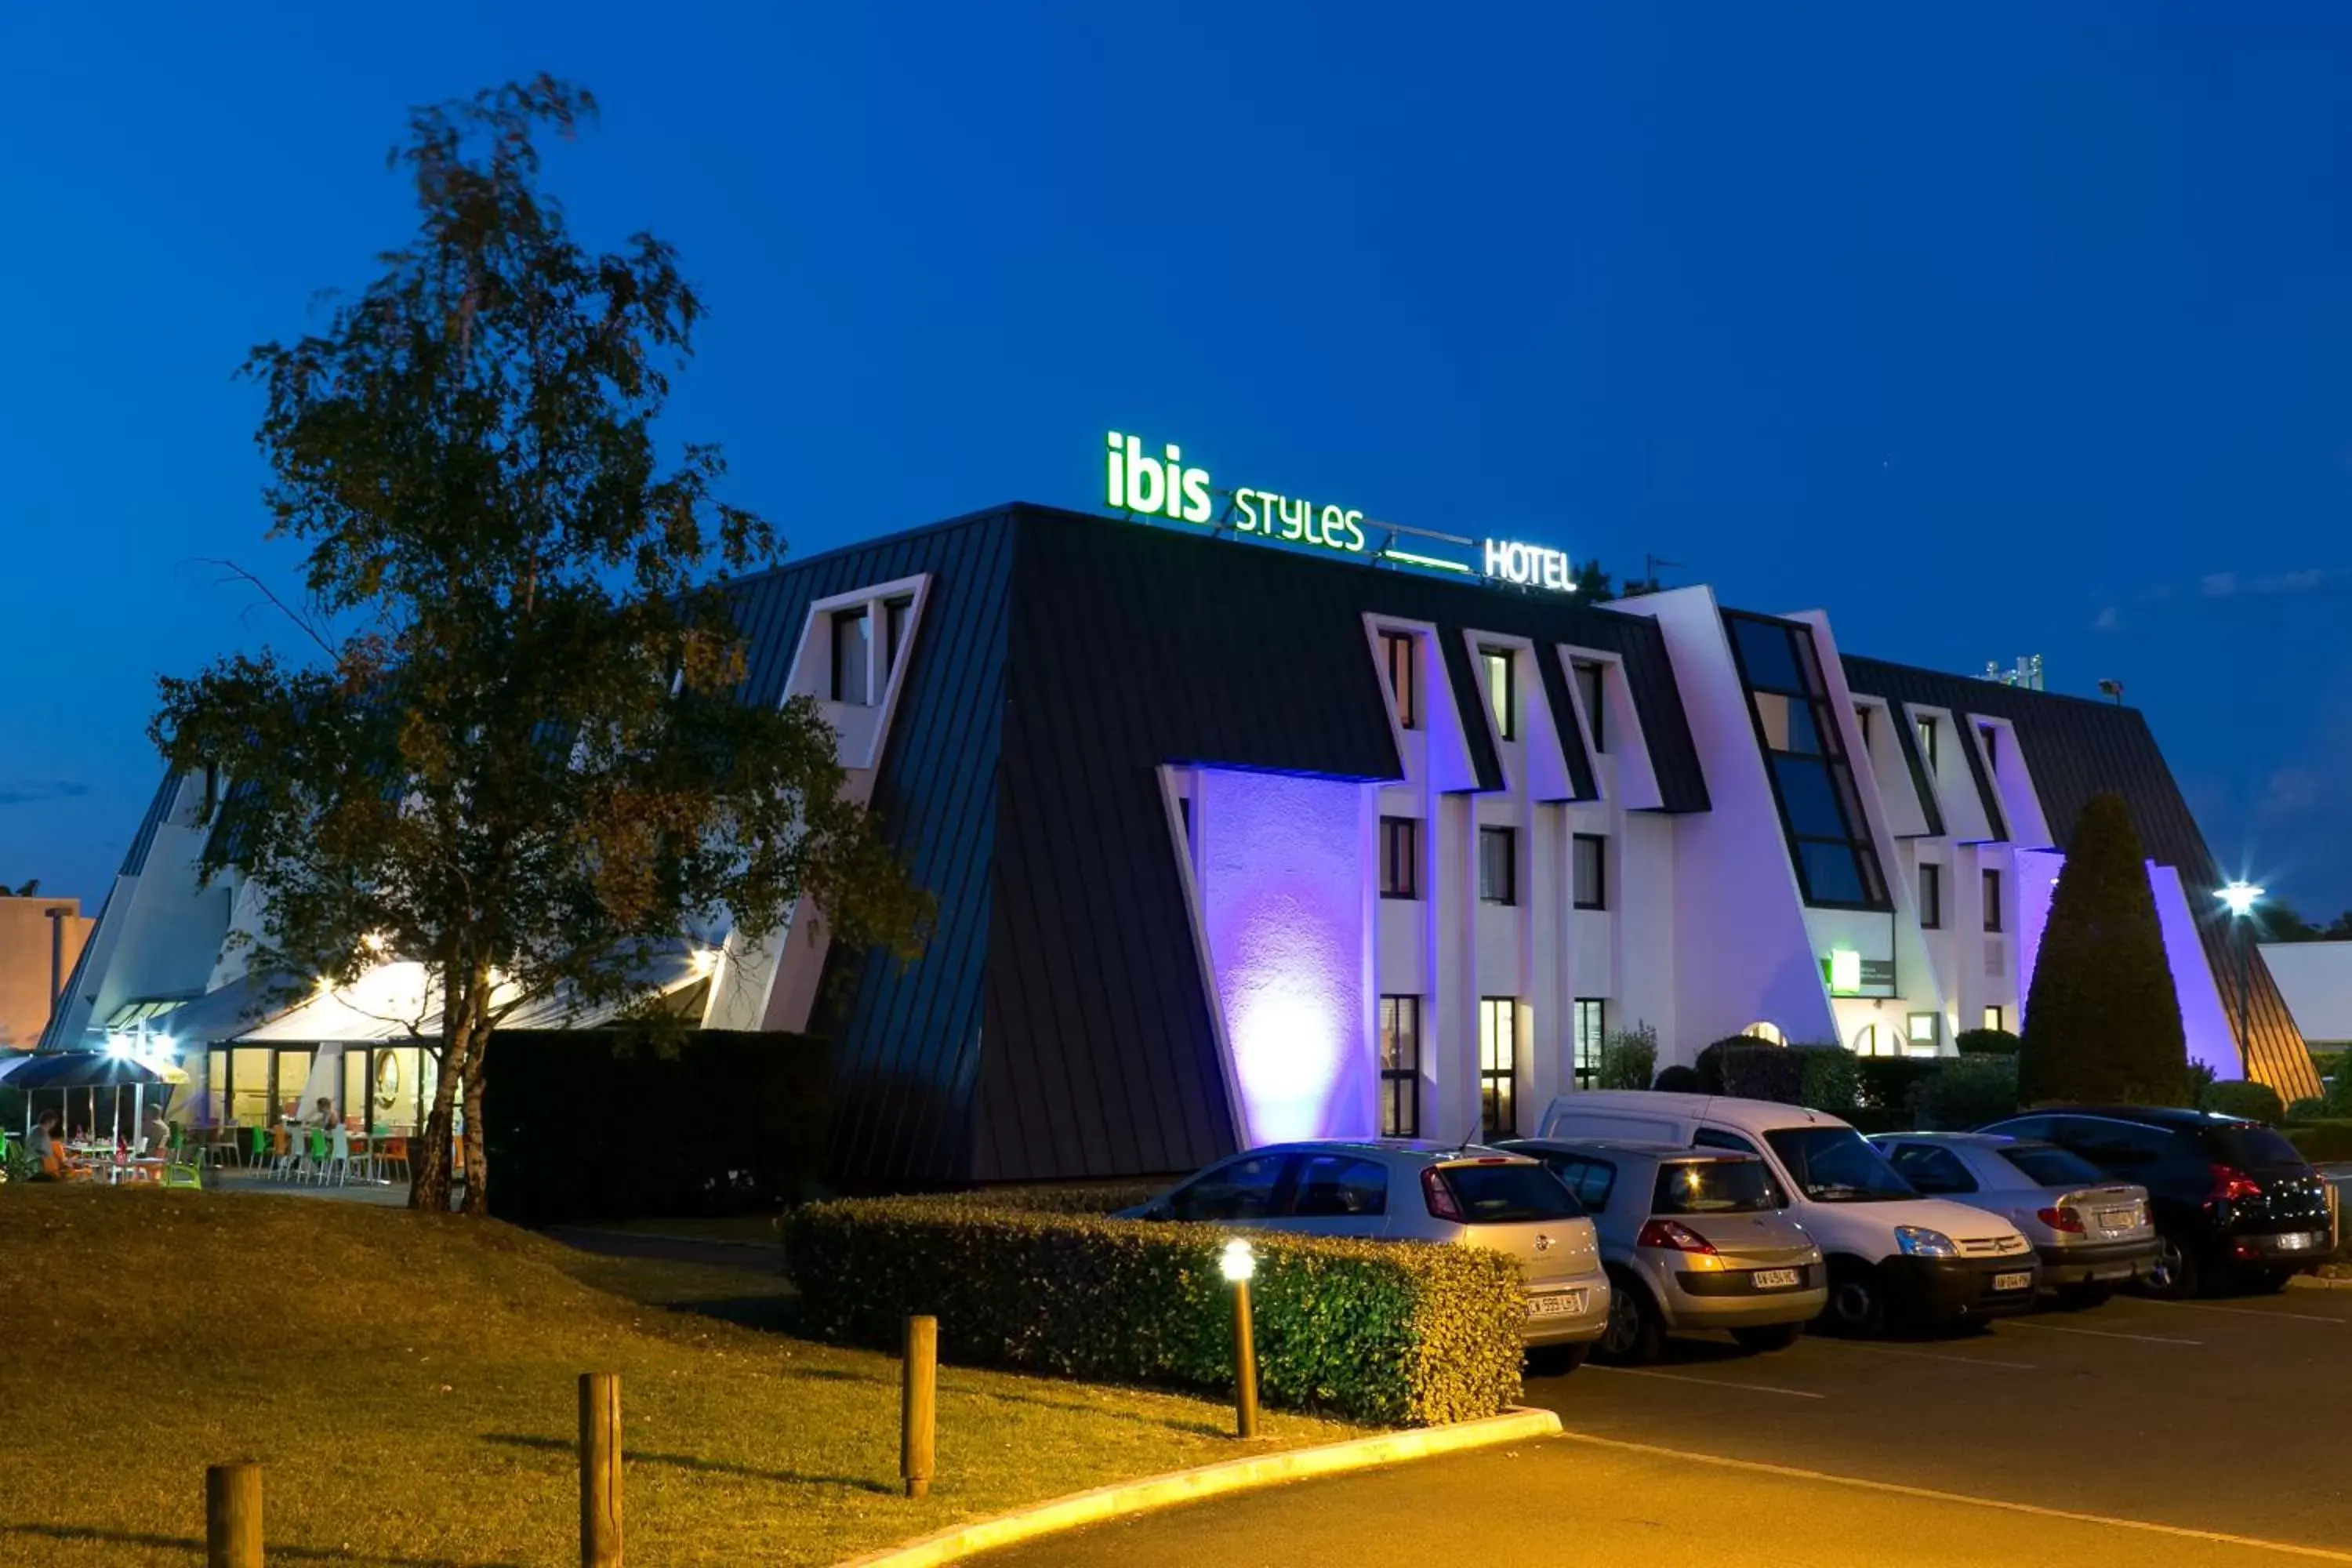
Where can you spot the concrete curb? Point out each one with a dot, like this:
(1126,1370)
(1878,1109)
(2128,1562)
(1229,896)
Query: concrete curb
(1062,1513)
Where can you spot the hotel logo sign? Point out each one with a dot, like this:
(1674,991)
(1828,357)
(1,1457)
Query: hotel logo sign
(1136,479)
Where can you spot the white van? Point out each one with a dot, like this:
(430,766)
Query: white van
(1892,1254)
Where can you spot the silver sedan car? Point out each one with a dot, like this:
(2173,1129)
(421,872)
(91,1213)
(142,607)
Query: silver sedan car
(1412,1189)
(2092,1234)
(1692,1239)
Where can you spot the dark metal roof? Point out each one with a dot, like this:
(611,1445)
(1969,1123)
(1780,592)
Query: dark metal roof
(2075,749)
(134,860)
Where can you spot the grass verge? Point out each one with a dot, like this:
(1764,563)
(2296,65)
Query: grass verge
(408,1383)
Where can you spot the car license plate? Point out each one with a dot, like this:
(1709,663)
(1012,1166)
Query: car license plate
(2012,1281)
(1777,1278)
(2115,1219)
(1556,1304)
(2298,1241)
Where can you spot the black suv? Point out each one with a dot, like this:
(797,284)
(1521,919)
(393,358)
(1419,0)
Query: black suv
(2235,1203)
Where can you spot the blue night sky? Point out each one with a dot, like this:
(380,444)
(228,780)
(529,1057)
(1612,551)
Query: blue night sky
(2026,334)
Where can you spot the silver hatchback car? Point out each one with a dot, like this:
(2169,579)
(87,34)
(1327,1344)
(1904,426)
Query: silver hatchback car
(2091,1233)
(1402,1189)
(1692,1239)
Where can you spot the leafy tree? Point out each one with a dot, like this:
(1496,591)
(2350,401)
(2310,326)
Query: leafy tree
(1629,1057)
(2103,1021)
(2278,923)
(31,889)
(515,753)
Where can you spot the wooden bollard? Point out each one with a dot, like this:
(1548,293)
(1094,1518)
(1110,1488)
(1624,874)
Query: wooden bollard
(918,1405)
(599,1470)
(233,1516)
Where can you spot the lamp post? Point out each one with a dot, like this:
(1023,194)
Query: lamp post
(2239,897)
(1238,1264)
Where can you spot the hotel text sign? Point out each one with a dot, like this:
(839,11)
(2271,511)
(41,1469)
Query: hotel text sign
(1162,485)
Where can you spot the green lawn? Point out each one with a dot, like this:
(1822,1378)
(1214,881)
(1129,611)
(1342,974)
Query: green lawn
(408,1382)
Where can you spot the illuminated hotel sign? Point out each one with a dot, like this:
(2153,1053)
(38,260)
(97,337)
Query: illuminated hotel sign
(1137,479)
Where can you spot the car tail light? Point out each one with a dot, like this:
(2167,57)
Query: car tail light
(1673,1235)
(2061,1219)
(2229,1184)
(1438,1196)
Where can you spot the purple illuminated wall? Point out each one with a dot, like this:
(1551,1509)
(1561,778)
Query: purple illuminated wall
(1281,881)
(2202,1019)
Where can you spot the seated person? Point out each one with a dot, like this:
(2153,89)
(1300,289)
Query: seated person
(157,1132)
(322,1115)
(49,1150)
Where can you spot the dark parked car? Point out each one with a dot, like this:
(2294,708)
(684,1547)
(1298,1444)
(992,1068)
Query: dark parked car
(2236,1203)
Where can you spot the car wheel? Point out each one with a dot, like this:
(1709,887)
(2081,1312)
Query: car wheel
(1857,1300)
(1768,1336)
(1557,1360)
(2175,1273)
(1634,1335)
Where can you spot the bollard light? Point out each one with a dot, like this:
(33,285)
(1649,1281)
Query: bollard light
(1238,1264)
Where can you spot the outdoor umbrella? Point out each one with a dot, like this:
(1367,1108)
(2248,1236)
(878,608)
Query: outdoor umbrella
(92,1070)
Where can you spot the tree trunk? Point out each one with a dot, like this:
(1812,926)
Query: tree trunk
(428,1188)
(478,1163)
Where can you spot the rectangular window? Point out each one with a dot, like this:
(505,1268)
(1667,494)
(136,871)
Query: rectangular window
(249,1087)
(1498,1070)
(1863,716)
(1588,871)
(1400,857)
(1924,1028)
(1396,656)
(849,635)
(1992,900)
(1499,695)
(1184,817)
(1591,1025)
(895,615)
(1497,866)
(1992,1017)
(1991,744)
(1400,1066)
(1588,693)
(1829,838)
(1928,742)
(1931,895)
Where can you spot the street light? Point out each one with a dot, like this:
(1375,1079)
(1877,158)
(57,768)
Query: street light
(1238,1264)
(2239,899)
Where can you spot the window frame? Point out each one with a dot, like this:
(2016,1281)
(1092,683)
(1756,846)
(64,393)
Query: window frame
(1814,855)
(1499,1068)
(1400,1080)
(1990,876)
(1599,851)
(1502,689)
(1931,895)
(838,622)
(1584,1068)
(1508,838)
(1406,886)
(1400,668)
(897,616)
(1591,678)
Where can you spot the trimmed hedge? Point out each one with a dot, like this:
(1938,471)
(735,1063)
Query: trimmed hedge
(1679,1079)
(1750,1068)
(1830,1080)
(1887,1082)
(1390,1332)
(2322,1142)
(1964,1093)
(1097,1198)
(2242,1097)
(1985,1043)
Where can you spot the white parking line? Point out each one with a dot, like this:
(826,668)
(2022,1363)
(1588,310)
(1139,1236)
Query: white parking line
(1930,1494)
(1934,1356)
(1706,1382)
(2253,1312)
(2097,1334)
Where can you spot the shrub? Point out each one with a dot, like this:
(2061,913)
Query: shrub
(1964,1092)
(2311,1107)
(2337,1074)
(2323,1140)
(1628,1058)
(2195,1078)
(1985,1042)
(1059,1197)
(2103,1021)
(1679,1079)
(1751,1069)
(1379,1331)
(1828,1079)
(1886,1082)
(2242,1097)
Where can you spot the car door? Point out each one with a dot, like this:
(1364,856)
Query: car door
(1335,1193)
(1248,1190)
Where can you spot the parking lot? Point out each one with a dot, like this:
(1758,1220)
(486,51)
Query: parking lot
(2060,1436)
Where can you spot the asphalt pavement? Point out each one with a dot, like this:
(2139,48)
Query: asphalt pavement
(2141,1431)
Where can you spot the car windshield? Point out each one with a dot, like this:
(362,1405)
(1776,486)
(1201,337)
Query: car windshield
(2248,1146)
(1836,1165)
(1508,1194)
(2047,1165)
(1712,1186)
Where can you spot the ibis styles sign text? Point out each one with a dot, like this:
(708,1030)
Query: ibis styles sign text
(1160,483)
